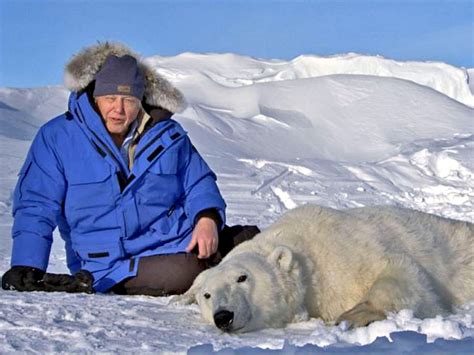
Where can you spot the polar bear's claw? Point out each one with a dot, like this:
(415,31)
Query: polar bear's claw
(361,315)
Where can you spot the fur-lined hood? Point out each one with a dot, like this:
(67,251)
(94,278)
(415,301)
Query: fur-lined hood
(81,69)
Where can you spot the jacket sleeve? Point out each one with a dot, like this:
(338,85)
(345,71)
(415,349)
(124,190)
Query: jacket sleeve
(200,187)
(37,202)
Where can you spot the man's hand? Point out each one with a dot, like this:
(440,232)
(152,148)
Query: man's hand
(205,236)
(27,278)
(82,281)
(23,278)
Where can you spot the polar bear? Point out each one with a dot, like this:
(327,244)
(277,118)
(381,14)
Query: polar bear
(352,265)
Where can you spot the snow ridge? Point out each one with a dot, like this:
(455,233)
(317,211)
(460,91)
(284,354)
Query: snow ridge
(232,70)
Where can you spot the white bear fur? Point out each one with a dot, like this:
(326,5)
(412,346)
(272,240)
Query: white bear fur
(352,265)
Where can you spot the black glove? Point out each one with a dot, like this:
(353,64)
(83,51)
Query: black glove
(23,278)
(27,278)
(81,282)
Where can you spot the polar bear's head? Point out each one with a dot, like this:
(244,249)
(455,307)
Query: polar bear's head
(249,291)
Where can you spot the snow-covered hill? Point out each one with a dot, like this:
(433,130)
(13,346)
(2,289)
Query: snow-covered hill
(233,70)
(340,131)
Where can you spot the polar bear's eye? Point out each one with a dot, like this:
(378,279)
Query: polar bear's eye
(242,278)
(207,296)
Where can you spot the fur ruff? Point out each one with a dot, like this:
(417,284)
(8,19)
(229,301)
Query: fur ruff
(81,69)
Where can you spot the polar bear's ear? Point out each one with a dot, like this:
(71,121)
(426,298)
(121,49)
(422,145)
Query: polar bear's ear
(281,257)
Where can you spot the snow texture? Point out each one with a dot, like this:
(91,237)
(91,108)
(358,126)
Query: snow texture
(340,131)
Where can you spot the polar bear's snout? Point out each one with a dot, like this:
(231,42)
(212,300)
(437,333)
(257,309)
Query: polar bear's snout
(223,320)
(229,312)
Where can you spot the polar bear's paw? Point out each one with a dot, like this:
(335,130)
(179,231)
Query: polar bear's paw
(301,316)
(181,300)
(361,315)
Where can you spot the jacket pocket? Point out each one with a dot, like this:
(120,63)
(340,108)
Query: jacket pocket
(83,175)
(161,186)
(99,256)
(173,217)
(89,194)
(165,165)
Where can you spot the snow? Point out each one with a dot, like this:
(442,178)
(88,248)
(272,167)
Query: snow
(341,131)
(231,70)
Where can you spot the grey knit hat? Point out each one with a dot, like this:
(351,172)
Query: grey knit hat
(120,76)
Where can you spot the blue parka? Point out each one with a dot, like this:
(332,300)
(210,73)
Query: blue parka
(75,178)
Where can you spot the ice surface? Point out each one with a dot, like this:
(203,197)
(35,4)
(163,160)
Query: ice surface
(342,131)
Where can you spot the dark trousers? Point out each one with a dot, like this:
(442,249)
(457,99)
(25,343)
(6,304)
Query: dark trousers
(170,274)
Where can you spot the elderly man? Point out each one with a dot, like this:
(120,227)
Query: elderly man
(131,196)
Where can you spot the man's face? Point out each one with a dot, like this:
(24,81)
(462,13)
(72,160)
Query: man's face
(118,112)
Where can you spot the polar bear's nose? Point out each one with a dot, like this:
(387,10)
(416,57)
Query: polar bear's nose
(223,320)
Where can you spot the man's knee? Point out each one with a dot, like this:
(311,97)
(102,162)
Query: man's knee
(230,237)
(162,275)
(170,274)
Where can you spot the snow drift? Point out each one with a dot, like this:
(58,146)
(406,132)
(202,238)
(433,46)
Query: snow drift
(233,70)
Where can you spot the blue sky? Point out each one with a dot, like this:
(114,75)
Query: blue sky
(37,37)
